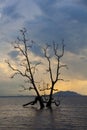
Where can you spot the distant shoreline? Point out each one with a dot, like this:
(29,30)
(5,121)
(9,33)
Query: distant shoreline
(59,94)
(34,96)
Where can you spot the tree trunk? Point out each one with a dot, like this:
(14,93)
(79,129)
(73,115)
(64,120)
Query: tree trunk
(49,101)
(48,104)
(41,102)
(50,97)
(38,98)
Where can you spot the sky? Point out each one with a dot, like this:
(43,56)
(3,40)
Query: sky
(46,21)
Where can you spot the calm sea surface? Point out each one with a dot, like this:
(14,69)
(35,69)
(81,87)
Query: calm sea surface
(70,115)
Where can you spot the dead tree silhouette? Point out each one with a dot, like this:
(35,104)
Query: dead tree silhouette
(23,45)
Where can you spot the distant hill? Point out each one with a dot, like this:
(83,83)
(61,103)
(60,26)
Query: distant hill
(59,94)
(66,94)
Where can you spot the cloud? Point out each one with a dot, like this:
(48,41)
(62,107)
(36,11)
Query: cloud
(4,71)
(82,2)
(13,54)
(59,21)
(76,65)
(10,88)
(14,15)
(79,86)
(10,11)
(47,21)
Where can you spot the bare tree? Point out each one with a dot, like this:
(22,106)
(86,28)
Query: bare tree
(54,79)
(22,45)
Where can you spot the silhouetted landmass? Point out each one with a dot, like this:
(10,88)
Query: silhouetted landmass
(67,94)
(59,94)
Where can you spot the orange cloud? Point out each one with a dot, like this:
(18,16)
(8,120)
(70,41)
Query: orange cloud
(79,86)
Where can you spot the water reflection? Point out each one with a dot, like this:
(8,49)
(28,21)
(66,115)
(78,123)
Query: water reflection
(70,115)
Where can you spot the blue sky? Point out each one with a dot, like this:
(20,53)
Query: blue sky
(46,21)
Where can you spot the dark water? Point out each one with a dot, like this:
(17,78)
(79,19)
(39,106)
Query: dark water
(70,115)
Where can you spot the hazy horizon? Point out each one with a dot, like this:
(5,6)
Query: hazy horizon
(20,95)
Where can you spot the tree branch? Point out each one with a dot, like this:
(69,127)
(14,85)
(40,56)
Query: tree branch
(62,66)
(49,62)
(17,71)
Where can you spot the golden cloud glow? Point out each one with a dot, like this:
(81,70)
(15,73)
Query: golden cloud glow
(4,68)
(80,86)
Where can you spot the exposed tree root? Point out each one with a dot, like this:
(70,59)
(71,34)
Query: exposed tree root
(35,101)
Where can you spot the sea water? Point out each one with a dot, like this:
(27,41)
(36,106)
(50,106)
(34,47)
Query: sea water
(70,115)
